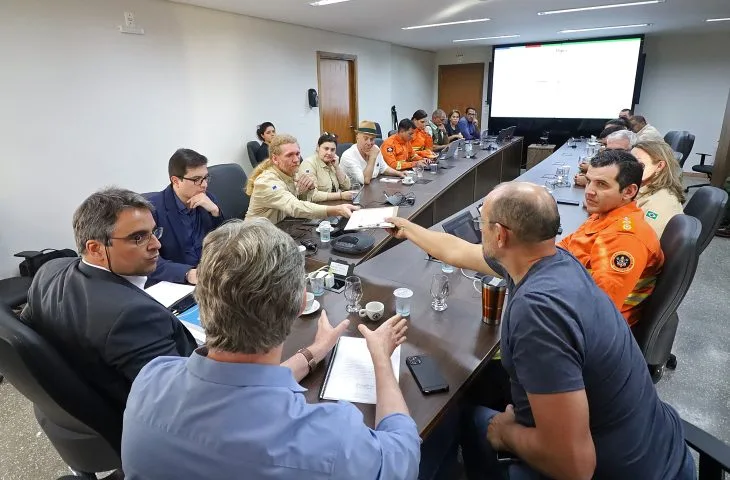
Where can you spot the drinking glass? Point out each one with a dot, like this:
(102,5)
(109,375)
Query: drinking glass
(551,185)
(419,171)
(355,187)
(439,292)
(353,293)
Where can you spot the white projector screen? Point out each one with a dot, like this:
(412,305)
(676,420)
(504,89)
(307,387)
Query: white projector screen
(581,79)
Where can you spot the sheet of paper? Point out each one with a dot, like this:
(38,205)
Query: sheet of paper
(190,319)
(352,376)
(371,218)
(389,180)
(168,293)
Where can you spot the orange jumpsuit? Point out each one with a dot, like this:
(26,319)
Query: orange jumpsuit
(422,143)
(622,253)
(399,155)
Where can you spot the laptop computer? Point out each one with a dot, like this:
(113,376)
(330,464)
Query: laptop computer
(450,152)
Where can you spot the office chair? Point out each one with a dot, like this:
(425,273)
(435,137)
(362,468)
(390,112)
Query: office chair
(682,142)
(392,132)
(378,142)
(714,453)
(708,206)
(228,184)
(656,330)
(342,147)
(14,291)
(253,147)
(377,129)
(83,427)
(702,168)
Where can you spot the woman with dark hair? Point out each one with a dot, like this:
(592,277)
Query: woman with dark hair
(452,126)
(332,183)
(265,132)
(422,142)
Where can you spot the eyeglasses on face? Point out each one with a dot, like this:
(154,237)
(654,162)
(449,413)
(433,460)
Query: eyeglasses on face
(479,224)
(141,239)
(198,180)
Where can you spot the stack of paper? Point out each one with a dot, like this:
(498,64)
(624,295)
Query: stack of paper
(168,293)
(371,218)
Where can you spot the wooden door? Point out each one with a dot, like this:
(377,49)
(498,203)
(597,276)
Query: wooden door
(461,86)
(338,95)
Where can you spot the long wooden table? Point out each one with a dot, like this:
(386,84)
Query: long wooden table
(447,192)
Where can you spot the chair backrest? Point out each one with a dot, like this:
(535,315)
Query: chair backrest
(707,205)
(377,129)
(378,141)
(392,132)
(682,142)
(655,331)
(37,371)
(228,184)
(252,147)
(342,147)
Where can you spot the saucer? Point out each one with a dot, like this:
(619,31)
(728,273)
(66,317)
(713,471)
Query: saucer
(315,306)
(404,182)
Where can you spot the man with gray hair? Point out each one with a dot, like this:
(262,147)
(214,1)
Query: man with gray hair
(233,409)
(94,310)
(621,140)
(436,127)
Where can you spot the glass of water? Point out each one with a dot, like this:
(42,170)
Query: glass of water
(551,185)
(439,291)
(419,171)
(353,293)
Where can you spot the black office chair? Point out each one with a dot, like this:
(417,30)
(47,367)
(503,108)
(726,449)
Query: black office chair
(682,142)
(707,205)
(702,168)
(253,147)
(658,325)
(228,182)
(377,129)
(378,142)
(342,147)
(392,132)
(714,453)
(14,291)
(82,426)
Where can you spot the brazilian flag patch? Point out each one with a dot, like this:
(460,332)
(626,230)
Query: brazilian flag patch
(652,215)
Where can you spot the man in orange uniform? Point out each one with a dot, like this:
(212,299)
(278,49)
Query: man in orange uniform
(422,142)
(616,245)
(397,149)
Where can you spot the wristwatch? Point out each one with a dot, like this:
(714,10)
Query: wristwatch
(309,357)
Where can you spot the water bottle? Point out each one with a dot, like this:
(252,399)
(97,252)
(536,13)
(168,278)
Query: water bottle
(468,149)
(324,231)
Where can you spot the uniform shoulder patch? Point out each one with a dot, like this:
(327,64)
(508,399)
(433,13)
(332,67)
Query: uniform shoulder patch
(627,224)
(390,149)
(622,262)
(652,215)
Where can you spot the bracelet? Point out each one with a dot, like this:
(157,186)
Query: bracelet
(308,357)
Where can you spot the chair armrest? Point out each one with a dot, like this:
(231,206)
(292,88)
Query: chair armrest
(707,445)
(703,157)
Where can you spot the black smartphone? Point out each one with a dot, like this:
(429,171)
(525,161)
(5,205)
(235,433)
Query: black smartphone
(565,201)
(427,375)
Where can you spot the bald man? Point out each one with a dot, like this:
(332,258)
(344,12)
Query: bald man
(584,403)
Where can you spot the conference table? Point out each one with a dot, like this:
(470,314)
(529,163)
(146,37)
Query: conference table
(440,195)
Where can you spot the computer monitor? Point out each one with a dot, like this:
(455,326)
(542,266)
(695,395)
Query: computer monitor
(462,226)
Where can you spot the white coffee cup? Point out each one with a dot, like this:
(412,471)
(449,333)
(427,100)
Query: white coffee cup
(373,310)
(408,181)
(310,301)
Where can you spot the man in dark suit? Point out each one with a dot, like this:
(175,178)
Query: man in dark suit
(187,213)
(94,310)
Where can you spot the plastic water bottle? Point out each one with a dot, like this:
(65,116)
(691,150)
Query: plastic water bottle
(325,229)
(468,149)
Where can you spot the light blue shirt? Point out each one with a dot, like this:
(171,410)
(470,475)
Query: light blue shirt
(199,418)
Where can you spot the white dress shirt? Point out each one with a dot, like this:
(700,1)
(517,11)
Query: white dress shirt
(354,165)
(136,280)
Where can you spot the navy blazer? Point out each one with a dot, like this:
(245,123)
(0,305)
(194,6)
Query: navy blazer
(171,264)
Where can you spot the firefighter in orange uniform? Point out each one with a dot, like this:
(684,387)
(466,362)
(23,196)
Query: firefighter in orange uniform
(397,149)
(616,245)
(422,141)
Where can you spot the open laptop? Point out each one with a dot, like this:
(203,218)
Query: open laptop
(450,152)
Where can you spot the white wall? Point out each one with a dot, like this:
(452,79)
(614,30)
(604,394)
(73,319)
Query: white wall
(686,85)
(468,55)
(83,106)
(411,90)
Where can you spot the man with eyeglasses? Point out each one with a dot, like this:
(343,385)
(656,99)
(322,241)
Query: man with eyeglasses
(469,125)
(188,213)
(93,309)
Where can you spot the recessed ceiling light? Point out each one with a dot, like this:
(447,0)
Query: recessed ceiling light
(326,2)
(578,30)
(601,7)
(485,38)
(718,19)
(476,20)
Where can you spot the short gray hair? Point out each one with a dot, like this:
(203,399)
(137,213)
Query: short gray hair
(438,113)
(96,217)
(627,135)
(250,286)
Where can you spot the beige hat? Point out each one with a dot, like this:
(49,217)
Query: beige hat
(368,127)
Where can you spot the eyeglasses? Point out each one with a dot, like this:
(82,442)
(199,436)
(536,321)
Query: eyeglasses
(198,180)
(141,239)
(479,224)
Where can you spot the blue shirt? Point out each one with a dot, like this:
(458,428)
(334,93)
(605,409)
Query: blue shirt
(198,418)
(468,129)
(561,333)
(193,231)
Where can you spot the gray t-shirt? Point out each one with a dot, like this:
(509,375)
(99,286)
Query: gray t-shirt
(561,333)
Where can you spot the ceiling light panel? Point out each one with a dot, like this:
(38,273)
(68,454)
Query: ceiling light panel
(461,22)
(601,7)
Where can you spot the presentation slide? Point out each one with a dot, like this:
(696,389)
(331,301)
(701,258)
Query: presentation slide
(582,79)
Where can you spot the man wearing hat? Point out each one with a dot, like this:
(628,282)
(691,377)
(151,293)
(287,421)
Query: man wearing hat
(363,161)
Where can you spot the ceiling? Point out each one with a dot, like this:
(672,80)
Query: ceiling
(384,19)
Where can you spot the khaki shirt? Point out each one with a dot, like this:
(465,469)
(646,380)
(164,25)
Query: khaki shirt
(649,134)
(659,207)
(324,176)
(275,197)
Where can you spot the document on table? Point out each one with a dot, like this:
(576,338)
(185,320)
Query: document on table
(351,374)
(371,218)
(168,293)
